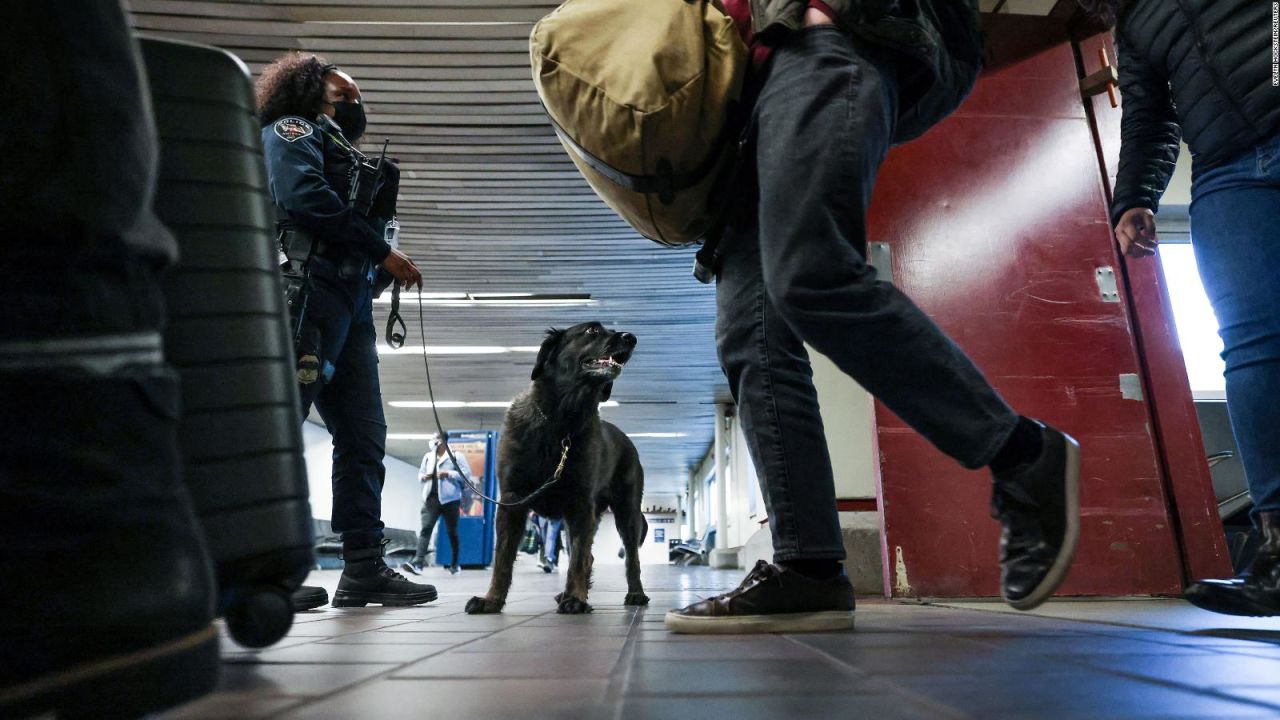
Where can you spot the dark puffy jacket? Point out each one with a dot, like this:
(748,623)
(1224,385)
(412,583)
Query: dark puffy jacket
(940,39)
(1199,69)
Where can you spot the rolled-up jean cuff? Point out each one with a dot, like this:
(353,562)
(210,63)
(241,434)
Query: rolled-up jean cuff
(792,555)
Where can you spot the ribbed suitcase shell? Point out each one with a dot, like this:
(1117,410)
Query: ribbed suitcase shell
(228,336)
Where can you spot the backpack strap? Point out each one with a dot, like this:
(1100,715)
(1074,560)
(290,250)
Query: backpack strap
(665,182)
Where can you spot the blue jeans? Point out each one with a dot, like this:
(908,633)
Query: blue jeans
(1235,230)
(338,328)
(550,538)
(794,272)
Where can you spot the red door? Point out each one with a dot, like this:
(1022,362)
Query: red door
(998,228)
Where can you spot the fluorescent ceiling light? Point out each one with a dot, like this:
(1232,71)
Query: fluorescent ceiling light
(447,404)
(432,436)
(658,435)
(383,349)
(427,404)
(513,299)
(411,436)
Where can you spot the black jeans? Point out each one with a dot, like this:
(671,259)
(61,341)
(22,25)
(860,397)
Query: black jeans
(338,329)
(793,271)
(431,511)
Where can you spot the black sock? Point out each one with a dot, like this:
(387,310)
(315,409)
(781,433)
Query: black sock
(1023,447)
(816,569)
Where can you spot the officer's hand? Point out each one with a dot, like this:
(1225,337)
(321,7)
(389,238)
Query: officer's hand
(403,269)
(1136,233)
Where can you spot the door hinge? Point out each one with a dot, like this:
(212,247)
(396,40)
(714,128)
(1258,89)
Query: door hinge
(1105,80)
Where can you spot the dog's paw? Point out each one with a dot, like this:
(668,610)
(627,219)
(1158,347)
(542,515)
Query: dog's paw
(571,605)
(483,606)
(636,598)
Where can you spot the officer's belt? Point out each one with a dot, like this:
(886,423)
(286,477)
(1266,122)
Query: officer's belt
(299,245)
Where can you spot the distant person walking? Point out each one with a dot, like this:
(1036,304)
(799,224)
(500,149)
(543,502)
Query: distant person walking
(442,483)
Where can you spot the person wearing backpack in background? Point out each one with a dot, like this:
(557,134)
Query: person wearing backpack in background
(836,84)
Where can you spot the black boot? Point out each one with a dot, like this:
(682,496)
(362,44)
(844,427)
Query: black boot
(367,579)
(89,471)
(1038,503)
(309,597)
(1256,591)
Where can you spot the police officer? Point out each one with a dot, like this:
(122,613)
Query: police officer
(336,240)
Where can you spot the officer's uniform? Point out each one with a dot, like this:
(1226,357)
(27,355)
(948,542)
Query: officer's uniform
(309,167)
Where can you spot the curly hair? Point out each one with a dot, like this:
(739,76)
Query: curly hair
(1110,12)
(292,85)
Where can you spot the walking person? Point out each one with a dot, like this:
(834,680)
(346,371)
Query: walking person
(1200,71)
(443,483)
(792,270)
(549,555)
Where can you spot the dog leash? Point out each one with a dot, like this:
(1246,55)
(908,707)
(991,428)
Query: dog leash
(565,444)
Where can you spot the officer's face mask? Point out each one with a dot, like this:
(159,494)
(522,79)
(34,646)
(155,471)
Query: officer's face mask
(350,117)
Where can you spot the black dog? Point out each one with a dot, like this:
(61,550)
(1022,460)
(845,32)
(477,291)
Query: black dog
(573,374)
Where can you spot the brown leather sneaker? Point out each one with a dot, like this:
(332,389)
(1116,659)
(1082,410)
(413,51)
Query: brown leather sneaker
(771,600)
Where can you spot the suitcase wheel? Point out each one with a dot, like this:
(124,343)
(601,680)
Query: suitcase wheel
(259,615)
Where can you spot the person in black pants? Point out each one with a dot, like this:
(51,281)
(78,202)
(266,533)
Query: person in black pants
(443,487)
(793,271)
(89,464)
(312,115)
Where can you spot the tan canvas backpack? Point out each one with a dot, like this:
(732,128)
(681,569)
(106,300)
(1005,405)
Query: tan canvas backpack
(643,94)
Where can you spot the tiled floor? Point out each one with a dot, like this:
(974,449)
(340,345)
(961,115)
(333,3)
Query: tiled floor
(1140,659)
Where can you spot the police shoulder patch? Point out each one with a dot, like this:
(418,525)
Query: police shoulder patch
(292,128)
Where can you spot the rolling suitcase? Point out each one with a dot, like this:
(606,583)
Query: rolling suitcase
(228,337)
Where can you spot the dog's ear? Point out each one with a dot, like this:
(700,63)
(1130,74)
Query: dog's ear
(606,391)
(547,351)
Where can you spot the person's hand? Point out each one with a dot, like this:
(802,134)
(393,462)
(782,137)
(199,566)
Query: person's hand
(816,17)
(1136,233)
(402,269)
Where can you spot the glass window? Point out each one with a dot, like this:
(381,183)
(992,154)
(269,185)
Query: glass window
(1197,326)
(708,499)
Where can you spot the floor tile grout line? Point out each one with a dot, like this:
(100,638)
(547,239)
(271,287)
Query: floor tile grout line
(942,710)
(1079,660)
(622,671)
(326,696)
(1205,692)
(1079,621)
(1168,684)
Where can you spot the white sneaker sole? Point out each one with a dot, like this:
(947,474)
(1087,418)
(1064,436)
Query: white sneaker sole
(1061,564)
(828,621)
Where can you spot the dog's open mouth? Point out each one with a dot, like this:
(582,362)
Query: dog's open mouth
(607,365)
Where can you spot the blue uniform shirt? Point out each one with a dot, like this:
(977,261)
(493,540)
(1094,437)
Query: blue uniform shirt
(308,170)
